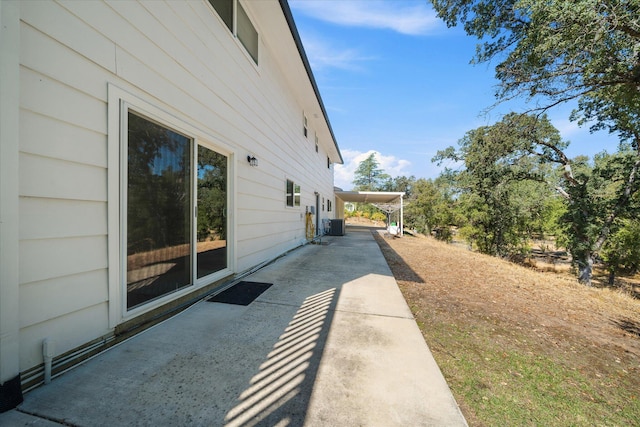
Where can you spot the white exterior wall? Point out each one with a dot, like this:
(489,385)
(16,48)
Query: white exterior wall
(9,146)
(76,58)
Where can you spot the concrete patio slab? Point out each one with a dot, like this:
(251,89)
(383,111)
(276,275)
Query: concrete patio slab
(331,343)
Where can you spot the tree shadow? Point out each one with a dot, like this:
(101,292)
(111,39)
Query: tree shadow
(628,325)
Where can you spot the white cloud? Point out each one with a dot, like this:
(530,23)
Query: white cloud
(322,55)
(352,158)
(411,18)
(566,127)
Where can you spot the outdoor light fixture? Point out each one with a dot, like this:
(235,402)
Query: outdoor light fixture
(252,160)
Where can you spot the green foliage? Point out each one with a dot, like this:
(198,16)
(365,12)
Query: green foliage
(552,211)
(212,195)
(559,50)
(431,208)
(597,202)
(504,186)
(555,51)
(158,192)
(400,184)
(622,251)
(378,216)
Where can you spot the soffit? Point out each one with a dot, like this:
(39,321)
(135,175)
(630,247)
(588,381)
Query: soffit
(375,197)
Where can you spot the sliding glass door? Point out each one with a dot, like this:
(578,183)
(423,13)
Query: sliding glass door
(171,240)
(212,208)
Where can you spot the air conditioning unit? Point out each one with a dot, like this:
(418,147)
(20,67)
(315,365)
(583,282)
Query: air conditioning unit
(337,227)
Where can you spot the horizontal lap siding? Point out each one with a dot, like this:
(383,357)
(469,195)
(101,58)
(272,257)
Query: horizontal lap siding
(179,57)
(49,137)
(63,180)
(41,295)
(46,218)
(67,334)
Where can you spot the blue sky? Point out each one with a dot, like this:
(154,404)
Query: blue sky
(396,81)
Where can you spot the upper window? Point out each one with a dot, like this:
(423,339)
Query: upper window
(225,10)
(316,143)
(304,126)
(239,24)
(247,33)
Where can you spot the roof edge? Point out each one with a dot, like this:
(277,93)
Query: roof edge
(286,10)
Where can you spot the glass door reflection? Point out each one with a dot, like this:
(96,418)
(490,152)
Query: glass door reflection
(212,207)
(158,211)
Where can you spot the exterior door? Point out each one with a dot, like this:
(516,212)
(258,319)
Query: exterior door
(176,204)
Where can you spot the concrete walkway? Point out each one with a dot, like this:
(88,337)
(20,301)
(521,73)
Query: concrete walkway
(331,343)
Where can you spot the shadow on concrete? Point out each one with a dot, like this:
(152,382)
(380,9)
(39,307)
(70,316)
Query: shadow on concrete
(280,392)
(332,342)
(401,270)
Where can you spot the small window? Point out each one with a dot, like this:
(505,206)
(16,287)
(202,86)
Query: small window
(247,33)
(328,163)
(323,204)
(241,28)
(304,126)
(292,194)
(289,193)
(316,143)
(225,10)
(296,195)
(328,205)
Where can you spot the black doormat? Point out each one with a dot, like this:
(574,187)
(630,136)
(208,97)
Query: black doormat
(242,293)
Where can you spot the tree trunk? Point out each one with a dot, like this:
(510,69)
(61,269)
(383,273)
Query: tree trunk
(612,277)
(585,269)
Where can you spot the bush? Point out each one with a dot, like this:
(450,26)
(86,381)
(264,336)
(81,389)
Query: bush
(443,233)
(378,216)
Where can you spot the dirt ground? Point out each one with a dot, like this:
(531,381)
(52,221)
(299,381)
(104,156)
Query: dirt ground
(530,298)
(595,330)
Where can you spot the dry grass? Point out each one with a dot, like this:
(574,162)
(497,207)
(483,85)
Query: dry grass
(519,346)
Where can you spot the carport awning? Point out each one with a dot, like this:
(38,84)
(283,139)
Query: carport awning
(388,201)
(387,197)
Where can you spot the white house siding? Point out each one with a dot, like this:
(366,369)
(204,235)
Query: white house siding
(179,58)
(9,212)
